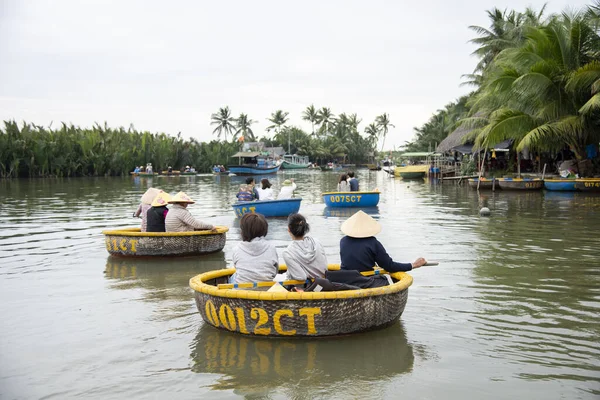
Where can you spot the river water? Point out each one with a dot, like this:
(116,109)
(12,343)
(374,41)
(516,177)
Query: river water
(512,310)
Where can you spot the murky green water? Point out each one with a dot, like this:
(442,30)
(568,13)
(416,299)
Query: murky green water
(512,311)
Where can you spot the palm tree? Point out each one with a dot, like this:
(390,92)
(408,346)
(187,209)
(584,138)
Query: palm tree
(354,121)
(278,119)
(326,119)
(242,123)
(311,115)
(224,122)
(544,94)
(373,133)
(383,123)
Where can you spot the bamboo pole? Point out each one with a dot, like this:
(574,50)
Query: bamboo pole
(544,171)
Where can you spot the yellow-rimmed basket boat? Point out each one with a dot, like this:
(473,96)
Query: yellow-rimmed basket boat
(133,242)
(298,314)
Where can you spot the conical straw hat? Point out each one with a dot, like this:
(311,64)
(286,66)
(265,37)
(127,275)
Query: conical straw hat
(361,225)
(161,199)
(181,197)
(150,195)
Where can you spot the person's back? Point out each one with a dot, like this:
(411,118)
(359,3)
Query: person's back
(157,213)
(287,190)
(343,185)
(304,256)
(244,194)
(179,219)
(265,192)
(254,259)
(353,182)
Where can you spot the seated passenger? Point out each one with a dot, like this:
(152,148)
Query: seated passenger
(250,183)
(158,212)
(343,185)
(304,257)
(255,259)
(145,205)
(360,250)
(245,194)
(265,192)
(353,182)
(287,190)
(179,219)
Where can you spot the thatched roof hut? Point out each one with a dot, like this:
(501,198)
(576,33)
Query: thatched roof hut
(453,141)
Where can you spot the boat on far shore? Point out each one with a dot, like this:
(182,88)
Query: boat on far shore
(520,183)
(294,161)
(253,163)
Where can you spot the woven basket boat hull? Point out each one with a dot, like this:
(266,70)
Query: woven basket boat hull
(588,184)
(351,199)
(560,185)
(268,208)
(132,242)
(520,184)
(298,314)
(483,183)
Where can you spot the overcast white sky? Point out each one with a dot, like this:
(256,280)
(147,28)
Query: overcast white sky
(166,66)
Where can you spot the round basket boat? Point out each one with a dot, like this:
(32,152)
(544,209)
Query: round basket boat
(288,314)
(351,199)
(133,242)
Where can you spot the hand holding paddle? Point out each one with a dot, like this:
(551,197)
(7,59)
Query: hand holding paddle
(421,262)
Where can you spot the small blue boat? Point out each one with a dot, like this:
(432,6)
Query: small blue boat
(268,208)
(562,185)
(351,199)
(252,170)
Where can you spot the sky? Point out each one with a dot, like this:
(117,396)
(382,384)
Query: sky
(167,66)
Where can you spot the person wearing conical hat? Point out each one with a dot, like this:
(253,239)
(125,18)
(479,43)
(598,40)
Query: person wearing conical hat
(145,205)
(287,189)
(158,212)
(360,250)
(179,219)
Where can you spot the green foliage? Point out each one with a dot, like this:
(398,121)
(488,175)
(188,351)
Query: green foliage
(35,151)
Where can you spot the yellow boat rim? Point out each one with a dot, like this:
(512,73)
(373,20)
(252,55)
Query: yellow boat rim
(338,193)
(138,233)
(197,283)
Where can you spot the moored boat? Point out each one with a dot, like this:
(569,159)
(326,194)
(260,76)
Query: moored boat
(351,199)
(520,183)
(133,242)
(286,313)
(253,163)
(484,184)
(170,172)
(146,174)
(268,208)
(294,161)
(562,185)
(188,174)
(588,184)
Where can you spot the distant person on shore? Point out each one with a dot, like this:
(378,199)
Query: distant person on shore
(244,194)
(305,256)
(251,184)
(265,192)
(343,185)
(255,259)
(146,201)
(353,182)
(179,219)
(360,250)
(158,213)
(287,189)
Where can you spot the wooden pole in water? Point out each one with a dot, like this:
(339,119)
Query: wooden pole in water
(480,171)
(544,171)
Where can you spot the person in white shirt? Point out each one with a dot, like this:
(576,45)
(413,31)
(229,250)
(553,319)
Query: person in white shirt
(287,190)
(264,191)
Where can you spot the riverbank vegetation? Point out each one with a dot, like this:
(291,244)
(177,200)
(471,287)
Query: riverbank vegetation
(537,82)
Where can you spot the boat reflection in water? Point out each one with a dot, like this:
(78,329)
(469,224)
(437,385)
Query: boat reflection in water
(334,212)
(254,365)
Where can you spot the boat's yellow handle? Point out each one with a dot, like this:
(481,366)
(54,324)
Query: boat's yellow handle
(289,282)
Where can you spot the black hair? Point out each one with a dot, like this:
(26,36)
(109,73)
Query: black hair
(265,183)
(297,225)
(249,181)
(343,177)
(253,225)
(351,174)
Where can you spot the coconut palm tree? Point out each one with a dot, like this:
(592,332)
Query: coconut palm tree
(544,94)
(243,125)
(311,115)
(372,132)
(224,122)
(326,119)
(278,119)
(383,123)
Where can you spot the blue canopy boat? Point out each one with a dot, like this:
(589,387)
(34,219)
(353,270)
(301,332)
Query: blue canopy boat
(563,185)
(351,199)
(254,163)
(268,208)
